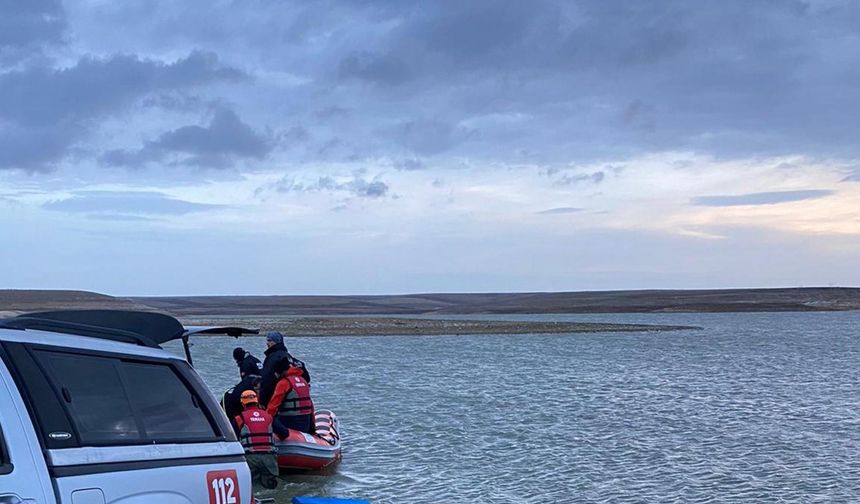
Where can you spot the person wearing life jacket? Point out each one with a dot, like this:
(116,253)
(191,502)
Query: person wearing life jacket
(291,404)
(254,429)
(276,352)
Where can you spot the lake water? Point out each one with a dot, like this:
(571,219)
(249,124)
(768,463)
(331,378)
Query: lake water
(760,407)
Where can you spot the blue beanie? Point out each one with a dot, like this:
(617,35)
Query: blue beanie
(274,337)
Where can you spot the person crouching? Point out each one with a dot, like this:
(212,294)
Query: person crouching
(291,404)
(255,433)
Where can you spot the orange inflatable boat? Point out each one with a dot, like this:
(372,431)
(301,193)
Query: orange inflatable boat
(301,451)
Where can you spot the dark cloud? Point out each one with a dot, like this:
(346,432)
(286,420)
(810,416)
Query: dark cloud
(595,178)
(332,112)
(218,145)
(296,134)
(639,114)
(380,69)
(177,100)
(370,189)
(762,198)
(96,86)
(26,27)
(560,210)
(125,205)
(428,137)
(483,33)
(358,186)
(540,82)
(46,110)
(34,148)
(130,158)
(412,164)
(733,78)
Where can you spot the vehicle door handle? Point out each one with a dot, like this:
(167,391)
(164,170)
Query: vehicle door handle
(14,499)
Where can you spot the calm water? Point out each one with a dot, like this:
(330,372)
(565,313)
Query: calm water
(754,408)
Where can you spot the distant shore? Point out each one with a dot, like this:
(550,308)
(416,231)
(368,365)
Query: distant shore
(441,305)
(394,326)
(637,301)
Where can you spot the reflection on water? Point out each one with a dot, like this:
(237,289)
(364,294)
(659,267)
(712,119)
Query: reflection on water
(755,408)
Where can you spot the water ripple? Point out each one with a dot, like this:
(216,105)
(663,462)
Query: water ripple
(755,408)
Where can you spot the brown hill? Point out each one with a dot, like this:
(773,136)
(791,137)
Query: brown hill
(728,300)
(792,299)
(13,302)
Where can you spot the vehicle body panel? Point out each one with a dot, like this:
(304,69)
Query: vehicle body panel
(167,485)
(28,475)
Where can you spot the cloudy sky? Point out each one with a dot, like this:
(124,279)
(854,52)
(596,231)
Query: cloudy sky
(383,146)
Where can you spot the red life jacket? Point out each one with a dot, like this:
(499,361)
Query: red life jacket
(297,400)
(255,431)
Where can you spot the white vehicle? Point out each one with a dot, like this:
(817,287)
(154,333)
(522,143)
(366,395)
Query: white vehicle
(93,411)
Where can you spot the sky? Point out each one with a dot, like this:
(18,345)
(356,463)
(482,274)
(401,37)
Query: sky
(154,147)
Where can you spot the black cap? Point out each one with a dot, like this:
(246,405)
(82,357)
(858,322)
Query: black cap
(238,354)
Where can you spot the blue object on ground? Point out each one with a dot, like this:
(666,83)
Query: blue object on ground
(326,500)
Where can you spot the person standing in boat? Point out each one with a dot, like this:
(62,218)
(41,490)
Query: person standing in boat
(291,404)
(245,361)
(254,430)
(275,353)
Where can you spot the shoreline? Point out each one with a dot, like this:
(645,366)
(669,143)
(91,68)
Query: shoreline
(394,326)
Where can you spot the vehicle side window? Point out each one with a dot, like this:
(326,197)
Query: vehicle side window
(165,406)
(46,411)
(113,401)
(95,397)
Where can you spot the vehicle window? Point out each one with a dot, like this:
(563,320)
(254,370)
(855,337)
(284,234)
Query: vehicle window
(95,396)
(114,401)
(47,412)
(167,409)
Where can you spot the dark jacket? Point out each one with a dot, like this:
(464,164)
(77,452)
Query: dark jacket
(274,355)
(249,365)
(232,398)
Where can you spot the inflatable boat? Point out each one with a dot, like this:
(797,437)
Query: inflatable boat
(301,451)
